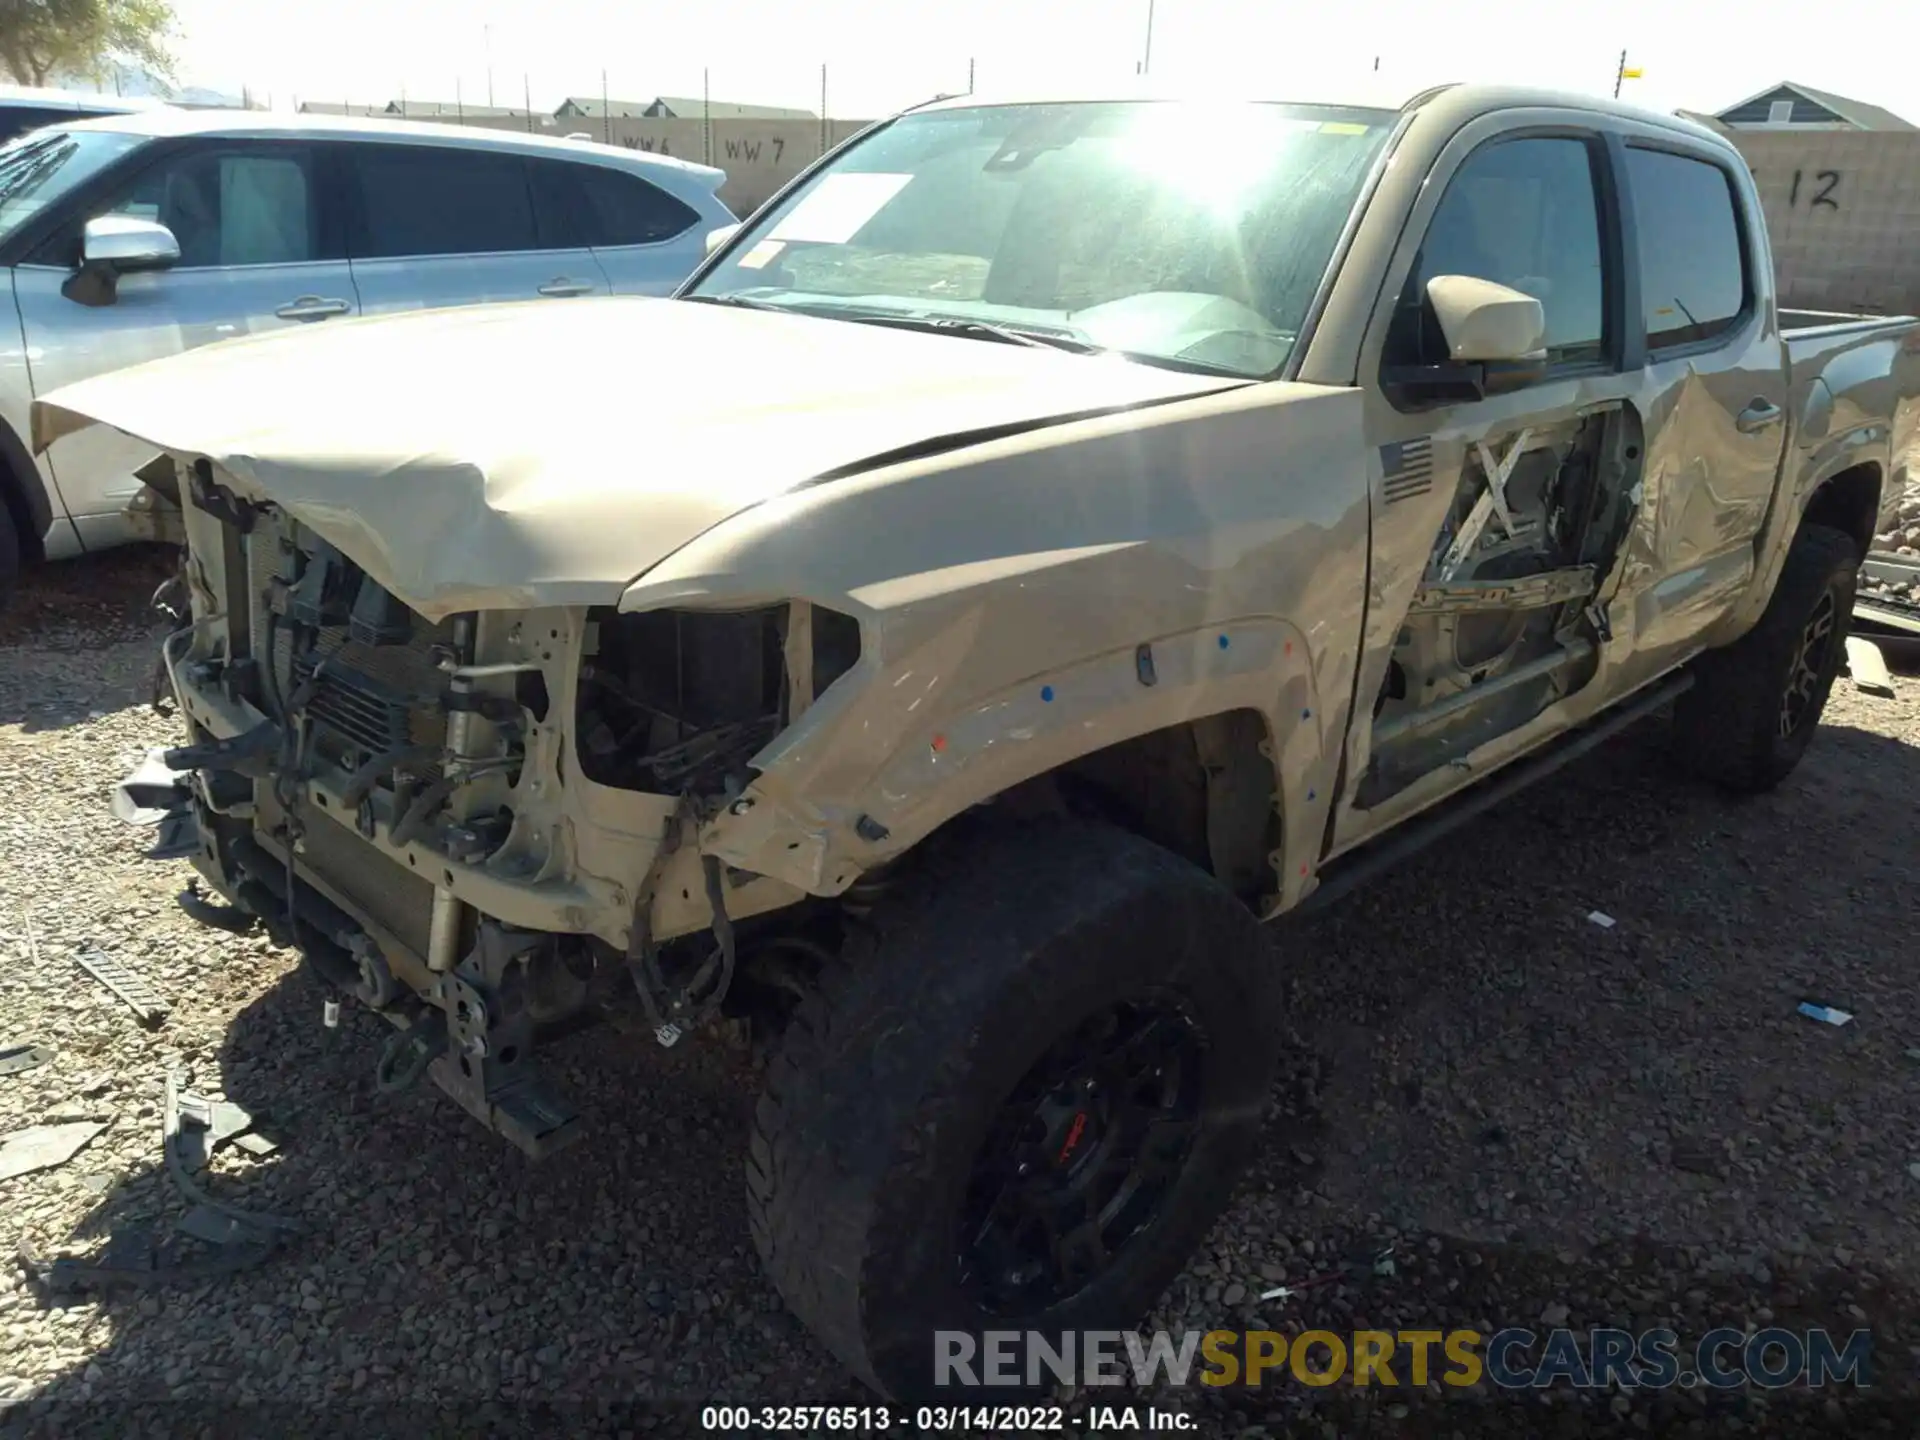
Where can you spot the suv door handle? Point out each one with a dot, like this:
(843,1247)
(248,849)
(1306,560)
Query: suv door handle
(561,285)
(312,307)
(1757,416)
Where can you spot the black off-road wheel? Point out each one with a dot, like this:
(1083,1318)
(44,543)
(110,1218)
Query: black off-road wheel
(9,555)
(1017,1103)
(1754,705)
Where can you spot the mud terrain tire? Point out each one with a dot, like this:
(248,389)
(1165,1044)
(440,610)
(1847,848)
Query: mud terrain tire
(959,1001)
(1741,725)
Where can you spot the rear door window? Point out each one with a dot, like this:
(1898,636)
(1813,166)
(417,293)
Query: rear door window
(423,200)
(1693,267)
(623,209)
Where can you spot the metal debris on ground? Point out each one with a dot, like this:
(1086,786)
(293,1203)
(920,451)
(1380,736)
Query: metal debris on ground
(214,1121)
(42,1147)
(1826,1014)
(1868,667)
(1602,919)
(18,1055)
(141,997)
(1365,1264)
(227,1239)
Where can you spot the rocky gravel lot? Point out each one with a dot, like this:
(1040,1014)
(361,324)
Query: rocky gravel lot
(1545,1117)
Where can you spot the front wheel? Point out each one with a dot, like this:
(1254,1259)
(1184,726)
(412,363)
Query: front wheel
(1017,1104)
(1755,704)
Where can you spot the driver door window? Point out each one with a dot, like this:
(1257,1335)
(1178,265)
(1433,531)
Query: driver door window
(229,208)
(1525,214)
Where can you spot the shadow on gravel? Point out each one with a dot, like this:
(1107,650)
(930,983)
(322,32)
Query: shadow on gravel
(85,604)
(442,1270)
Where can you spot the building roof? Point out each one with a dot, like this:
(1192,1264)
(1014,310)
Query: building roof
(1855,112)
(594,107)
(693,107)
(324,107)
(452,107)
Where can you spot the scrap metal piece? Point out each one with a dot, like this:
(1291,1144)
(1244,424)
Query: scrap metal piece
(172,1118)
(42,1147)
(20,1055)
(141,997)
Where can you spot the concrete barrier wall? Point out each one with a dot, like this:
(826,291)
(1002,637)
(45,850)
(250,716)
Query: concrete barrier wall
(759,156)
(1843,210)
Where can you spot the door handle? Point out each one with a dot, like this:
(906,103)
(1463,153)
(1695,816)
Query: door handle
(312,307)
(1757,416)
(561,285)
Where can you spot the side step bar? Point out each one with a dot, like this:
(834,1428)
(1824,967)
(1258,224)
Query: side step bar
(1352,871)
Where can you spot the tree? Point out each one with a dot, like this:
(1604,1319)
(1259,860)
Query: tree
(43,38)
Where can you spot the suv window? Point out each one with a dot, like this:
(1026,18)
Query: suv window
(1693,273)
(1522,213)
(248,207)
(623,209)
(438,200)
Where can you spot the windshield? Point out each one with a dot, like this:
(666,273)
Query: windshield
(39,168)
(1179,234)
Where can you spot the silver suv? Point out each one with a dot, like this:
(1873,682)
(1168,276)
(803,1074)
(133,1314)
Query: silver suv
(133,237)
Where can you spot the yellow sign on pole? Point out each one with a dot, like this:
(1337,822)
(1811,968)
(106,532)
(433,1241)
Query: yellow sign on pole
(1633,74)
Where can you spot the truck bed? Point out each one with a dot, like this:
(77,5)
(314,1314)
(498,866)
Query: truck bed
(1871,364)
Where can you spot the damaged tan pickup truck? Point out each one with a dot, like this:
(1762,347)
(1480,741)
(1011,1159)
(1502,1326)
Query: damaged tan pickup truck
(1047,540)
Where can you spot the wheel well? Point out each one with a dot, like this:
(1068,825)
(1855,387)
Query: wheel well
(1848,501)
(1204,789)
(19,487)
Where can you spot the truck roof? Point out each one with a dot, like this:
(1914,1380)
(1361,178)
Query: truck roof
(1460,100)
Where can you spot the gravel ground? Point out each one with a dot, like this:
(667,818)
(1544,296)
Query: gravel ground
(1547,1118)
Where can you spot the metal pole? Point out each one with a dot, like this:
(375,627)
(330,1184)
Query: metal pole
(606,113)
(706,115)
(526,87)
(823,108)
(1146,60)
(969,74)
(487,32)
(1619,74)
(459,104)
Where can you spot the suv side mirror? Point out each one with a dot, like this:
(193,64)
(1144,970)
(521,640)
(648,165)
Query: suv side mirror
(717,238)
(1483,321)
(116,245)
(126,244)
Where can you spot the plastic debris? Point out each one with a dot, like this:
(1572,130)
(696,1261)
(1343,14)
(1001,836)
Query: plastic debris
(1602,919)
(1826,1014)
(42,1147)
(18,1055)
(1868,667)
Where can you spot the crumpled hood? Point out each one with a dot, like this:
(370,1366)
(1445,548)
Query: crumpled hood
(549,452)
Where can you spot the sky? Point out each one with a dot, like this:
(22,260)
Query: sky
(885,54)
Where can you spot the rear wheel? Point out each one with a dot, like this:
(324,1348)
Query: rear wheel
(1018,1103)
(1755,705)
(9,555)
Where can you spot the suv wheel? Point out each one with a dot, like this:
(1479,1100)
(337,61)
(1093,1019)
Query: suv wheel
(1017,1103)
